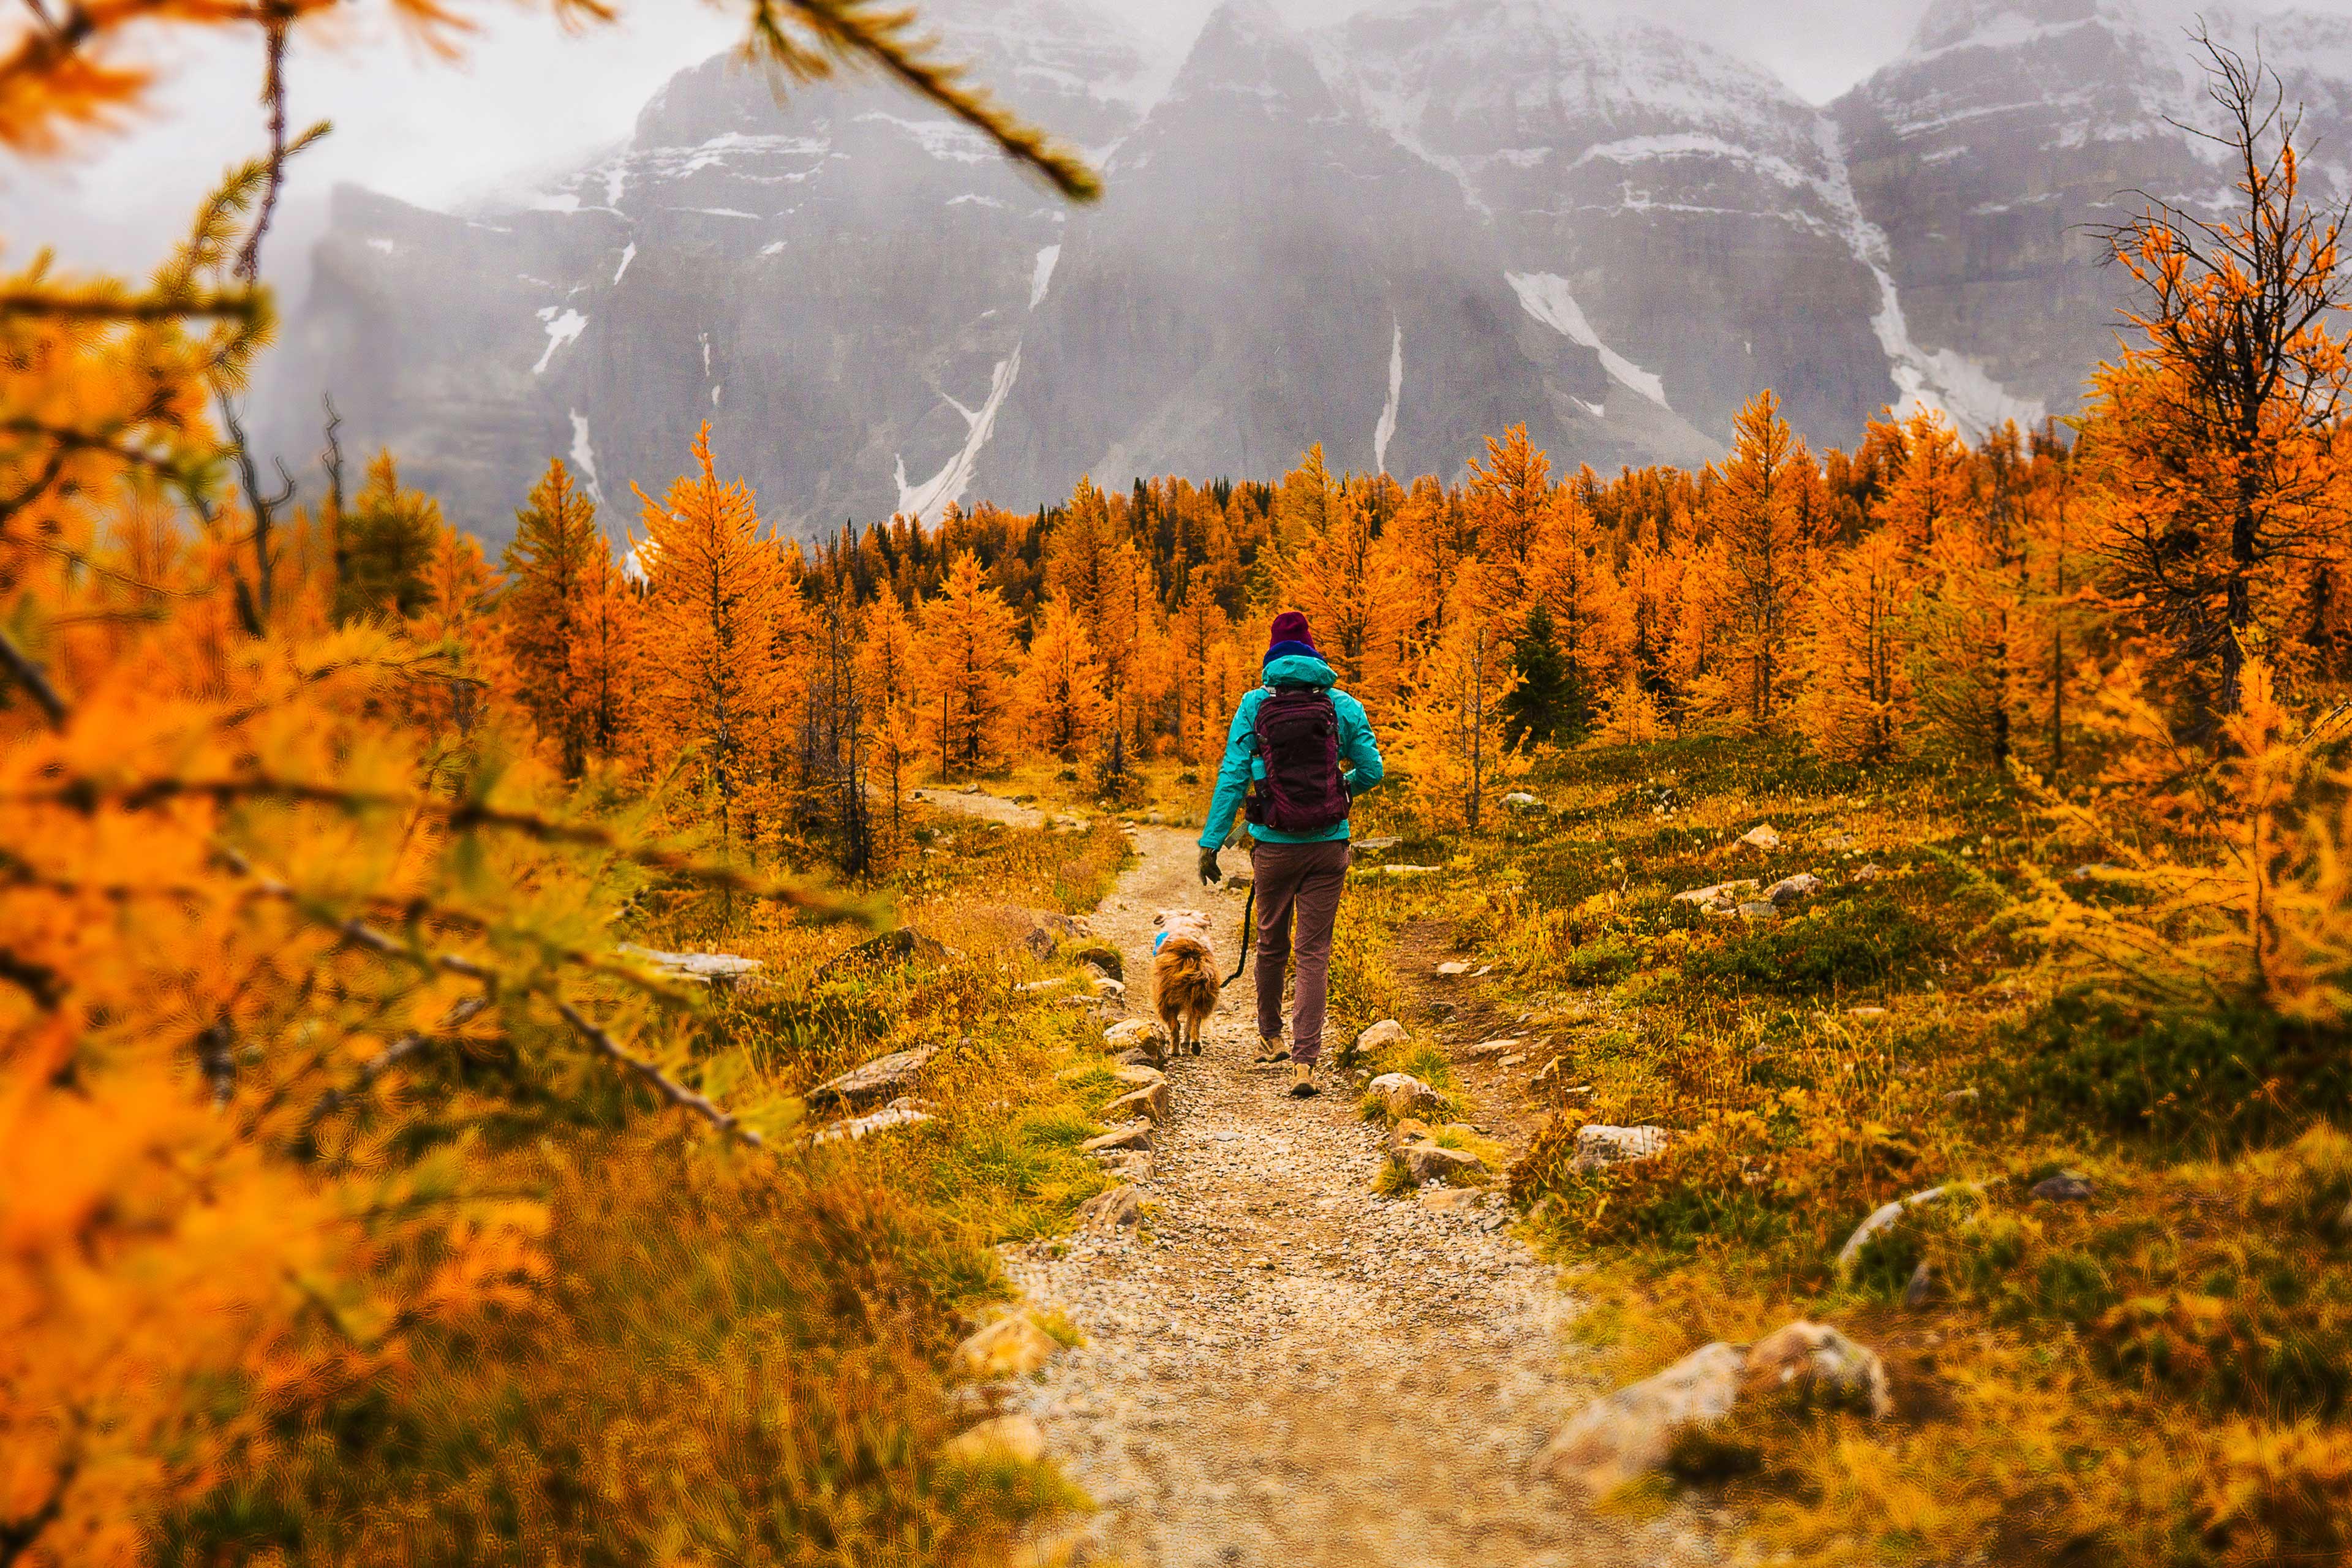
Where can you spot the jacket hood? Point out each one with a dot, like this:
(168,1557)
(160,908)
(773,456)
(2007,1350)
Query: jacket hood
(1298,669)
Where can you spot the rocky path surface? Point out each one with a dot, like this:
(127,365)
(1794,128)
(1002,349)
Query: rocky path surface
(980,803)
(1281,1368)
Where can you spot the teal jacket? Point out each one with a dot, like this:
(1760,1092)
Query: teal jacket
(1359,755)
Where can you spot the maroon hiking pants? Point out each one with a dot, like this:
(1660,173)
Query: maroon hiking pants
(1297,884)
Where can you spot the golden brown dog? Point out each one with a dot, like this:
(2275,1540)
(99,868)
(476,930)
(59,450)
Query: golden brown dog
(1183,977)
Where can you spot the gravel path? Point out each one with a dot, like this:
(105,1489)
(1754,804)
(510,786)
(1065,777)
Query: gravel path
(1286,1370)
(973,803)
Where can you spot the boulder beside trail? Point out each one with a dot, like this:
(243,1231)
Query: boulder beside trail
(1789,889)
(901,1112)
(1520,800)
(1818,1364)
(1136,1134)
(1614,1439)
(1111,1209)
(883,1078)
(1103,958)
(1011,1346)
(1143,1040)
(1761,837)
(1380,1037)
(1598,1146)
(1625,1434)
(693,968)
(1148,1101)
(1721,898)
(1401,1094)
(1127,1164)
(1429,1161)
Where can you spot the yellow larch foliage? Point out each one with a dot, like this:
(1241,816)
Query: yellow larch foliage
(1194,633)
(967,652)
(718,609)
(1062,706)
(1449,738)
(1569,572)
(1509,498)
(1432,534)
(1745,585)
(1333,569)
(453,621)
(886,672)
(1853,652)
(2240,900)
(559,624)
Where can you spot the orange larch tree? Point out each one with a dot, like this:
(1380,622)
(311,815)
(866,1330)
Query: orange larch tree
(715,597)
(967,651)
(1765,515)
(1063,708)
(557,568)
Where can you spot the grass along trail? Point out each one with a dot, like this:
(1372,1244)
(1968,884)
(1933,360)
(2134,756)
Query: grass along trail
(1282,1368)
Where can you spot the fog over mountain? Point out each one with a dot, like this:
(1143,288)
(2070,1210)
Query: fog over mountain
(1391,234)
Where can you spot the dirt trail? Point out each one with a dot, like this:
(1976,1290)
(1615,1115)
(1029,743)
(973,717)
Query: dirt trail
(1286,1370)
(976,802)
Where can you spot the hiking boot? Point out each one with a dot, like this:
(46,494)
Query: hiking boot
(1270,1050)
(1302,1080)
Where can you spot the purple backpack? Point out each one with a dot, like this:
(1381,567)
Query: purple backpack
(1298,733)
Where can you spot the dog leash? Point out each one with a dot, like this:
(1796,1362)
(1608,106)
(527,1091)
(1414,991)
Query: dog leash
(1248,904)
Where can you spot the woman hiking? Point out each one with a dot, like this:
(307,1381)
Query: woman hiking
(1300,750)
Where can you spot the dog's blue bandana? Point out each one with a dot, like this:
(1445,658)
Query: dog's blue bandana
(1157,941)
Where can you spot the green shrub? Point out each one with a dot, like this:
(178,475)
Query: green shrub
(2227,1078)
(1863,943)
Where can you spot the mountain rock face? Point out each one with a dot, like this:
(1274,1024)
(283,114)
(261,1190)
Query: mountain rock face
(838,281)
(1675,207)
(1993,155)
(1394,236)
(1269,270)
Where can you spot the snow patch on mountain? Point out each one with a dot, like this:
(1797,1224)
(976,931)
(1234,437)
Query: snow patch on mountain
(1695,145)
(945,138)
(1043,274)
(628,255)
(1386,428)
(925,502)
(1934,378)
(561,328)
(584,455)
(1546,297)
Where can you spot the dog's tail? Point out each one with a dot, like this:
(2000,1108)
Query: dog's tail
(1248,903)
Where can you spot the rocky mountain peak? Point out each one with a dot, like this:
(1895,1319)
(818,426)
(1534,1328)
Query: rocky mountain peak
(1246,59)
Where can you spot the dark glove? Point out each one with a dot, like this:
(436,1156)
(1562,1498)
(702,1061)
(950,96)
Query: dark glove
(1209,872)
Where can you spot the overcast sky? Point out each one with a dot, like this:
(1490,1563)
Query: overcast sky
(528,97)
